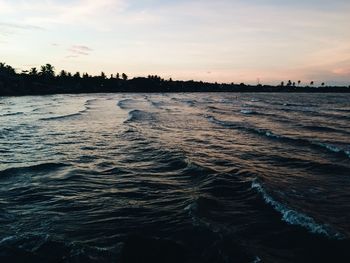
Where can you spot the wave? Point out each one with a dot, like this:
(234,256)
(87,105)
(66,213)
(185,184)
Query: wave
(188,102)
(343,110)
(199,211)
(294,217)
(6,131)
(33,168)
(323,129)
(157,104)
(214,108)
(295,141)
(40,247)
(227,124)
(12,114)
(71,115)
(125,103)
(7,239)
(335,149)
(89,102)
(137,115)
(61,117)
(248,112)
(302,142)
(316,113)
(289,104)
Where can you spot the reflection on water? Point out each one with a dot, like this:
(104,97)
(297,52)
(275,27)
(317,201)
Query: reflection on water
(213,177)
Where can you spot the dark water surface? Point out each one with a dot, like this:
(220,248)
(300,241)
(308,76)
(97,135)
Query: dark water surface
(187,177)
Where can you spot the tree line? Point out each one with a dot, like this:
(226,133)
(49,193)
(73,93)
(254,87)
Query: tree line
(45,81)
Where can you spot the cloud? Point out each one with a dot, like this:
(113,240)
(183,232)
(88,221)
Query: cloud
(79,50)
(19,26)
(235,40)
(9,29)
(59,12)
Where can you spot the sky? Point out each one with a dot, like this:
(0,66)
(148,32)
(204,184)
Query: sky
(218,41)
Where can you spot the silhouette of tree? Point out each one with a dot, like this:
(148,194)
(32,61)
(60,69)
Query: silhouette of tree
(77,75)
(33,72)
(42,70)
(63,74)
(6,69)
(124,76)
(47,71)
(50,70)
(45,82)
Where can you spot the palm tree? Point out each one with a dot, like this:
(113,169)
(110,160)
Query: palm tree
(124,77)
(77,75)
(299,81)
(6,69)
(33,72)
(282,83)
(311,83)
(63,74)
(50,70)
(42,70)
(322,84)
(47,70)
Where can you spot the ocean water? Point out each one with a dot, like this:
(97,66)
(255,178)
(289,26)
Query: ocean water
(175,178)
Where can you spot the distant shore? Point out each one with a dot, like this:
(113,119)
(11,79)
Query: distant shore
(45,81)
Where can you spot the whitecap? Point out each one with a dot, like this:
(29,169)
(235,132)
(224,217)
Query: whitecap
(294,217)
(245,111)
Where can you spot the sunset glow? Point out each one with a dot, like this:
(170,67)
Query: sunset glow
(223,41)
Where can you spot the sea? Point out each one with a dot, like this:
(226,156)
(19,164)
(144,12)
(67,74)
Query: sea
(175,177)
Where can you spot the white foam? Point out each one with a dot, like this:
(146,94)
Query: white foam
(6,239)
(247,111)
(294,217)
(334,148)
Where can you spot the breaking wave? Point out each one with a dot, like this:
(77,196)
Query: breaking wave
(294,217)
